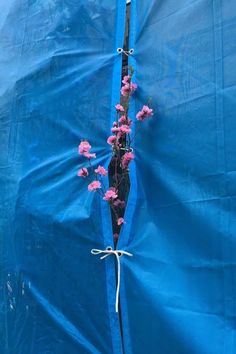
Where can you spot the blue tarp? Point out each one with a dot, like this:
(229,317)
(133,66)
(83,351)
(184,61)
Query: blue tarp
(59,81)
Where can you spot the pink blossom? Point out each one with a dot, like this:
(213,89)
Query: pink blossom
(93,186)
(126,79)
(115,124)
(101,171)
(84,147)
(140,115)
(89,156)
(125,129)
(120,221)
(119,108)
(128,88)
(111,140)
(115,129)
(148,111)
(133,87)
(110,194)
(83,172)
(125,120)
(125,90)
(122,119)
(128,156)
(144,113)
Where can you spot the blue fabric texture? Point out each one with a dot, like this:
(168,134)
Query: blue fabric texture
(180,286)
(59,81)
(59,68)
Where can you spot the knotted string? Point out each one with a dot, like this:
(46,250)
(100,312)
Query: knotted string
(126,52)
(118,253)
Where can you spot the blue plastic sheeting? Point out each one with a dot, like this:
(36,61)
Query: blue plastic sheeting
(57,62)
(60,78)
(180,287)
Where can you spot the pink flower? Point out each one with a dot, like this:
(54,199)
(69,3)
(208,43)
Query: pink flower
(125,129)
(122,119)
(89,156)
(128,156)
(110,194)
(128,88)
(125,90)
(93,186)
(126,79)
(144,113)
(115,124)
(133,87)
(101,171)
(125,120)
(111,140)
(120,221)
(119,108)
(115,129)
(83,172)
(148,111)
(84,146)
(140,115)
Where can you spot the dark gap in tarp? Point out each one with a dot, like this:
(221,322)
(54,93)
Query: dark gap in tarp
(115,169)
(115,165)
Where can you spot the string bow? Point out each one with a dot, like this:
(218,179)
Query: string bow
(118,253)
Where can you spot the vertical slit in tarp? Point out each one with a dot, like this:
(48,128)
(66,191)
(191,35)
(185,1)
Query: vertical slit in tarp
(105,210)
(115,171)
(126,232)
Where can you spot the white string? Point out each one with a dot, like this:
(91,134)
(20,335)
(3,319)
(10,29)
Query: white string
(126,52)
(118,253)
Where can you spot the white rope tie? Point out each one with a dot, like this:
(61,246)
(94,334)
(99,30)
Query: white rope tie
(118,253)
(126,52)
